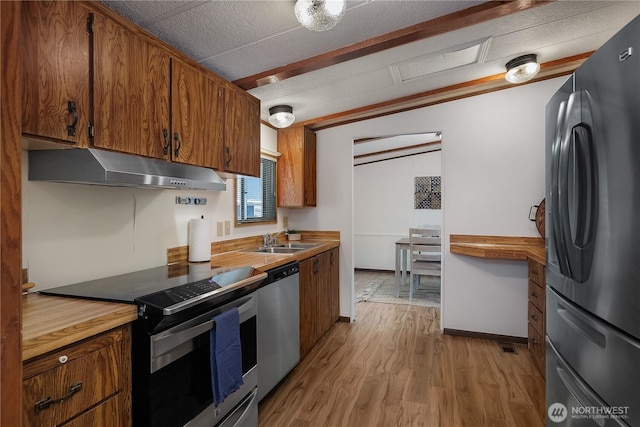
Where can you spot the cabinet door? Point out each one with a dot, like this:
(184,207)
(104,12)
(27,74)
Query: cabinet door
(323,299)
(334,279)
(308,311)
(242,133)
(197,120)
(131,91)
(296,167)
(309,188)
(55,101)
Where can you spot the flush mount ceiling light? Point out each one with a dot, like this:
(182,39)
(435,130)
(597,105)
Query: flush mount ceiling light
(320,15)
(281,116)
(522,68)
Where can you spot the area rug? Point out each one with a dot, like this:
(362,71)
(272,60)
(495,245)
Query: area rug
(427,294)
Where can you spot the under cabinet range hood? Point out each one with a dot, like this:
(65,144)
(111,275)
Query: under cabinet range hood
(100,167)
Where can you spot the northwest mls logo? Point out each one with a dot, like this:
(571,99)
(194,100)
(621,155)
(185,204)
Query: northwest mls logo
(557,412)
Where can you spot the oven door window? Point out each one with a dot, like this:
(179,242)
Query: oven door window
(182,389)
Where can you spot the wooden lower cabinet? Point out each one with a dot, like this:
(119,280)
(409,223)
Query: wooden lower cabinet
(319,297)
(87,383)
(536,314)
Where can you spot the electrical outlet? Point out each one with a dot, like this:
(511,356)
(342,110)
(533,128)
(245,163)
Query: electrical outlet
(219,228)
(227,227)
(285,221)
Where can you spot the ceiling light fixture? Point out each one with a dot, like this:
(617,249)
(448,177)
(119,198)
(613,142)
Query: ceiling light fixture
(281,116)
(320,15)
(522,68)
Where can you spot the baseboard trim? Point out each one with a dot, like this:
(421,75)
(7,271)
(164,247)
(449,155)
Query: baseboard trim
(373,270)
(485,336)
(344,319)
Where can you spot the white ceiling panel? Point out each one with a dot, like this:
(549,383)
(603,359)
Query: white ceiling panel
(567,29)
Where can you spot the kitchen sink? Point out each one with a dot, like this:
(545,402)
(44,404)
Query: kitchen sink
(285,248)
(277,250)
(298,245)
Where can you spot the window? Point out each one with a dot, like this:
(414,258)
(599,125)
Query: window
(256,197)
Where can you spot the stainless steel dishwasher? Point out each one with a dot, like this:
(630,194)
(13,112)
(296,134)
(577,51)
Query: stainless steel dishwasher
(278,326)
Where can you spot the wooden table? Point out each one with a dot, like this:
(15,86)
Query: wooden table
(402,262)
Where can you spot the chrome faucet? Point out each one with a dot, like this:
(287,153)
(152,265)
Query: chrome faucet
(269,240)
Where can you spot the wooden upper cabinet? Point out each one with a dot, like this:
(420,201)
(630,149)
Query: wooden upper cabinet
(93,79)
(55,101)
(242,133)
(197,116)
(131,91)
(296,167)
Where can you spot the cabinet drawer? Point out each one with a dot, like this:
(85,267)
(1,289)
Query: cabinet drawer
(536,345)
(536,273)
(106,414)
(536,319)
(536,295)
(83,382)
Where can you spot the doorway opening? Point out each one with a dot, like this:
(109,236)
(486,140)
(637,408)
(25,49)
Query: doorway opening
(397,185)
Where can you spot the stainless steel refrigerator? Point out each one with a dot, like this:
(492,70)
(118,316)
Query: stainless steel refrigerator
(593,240)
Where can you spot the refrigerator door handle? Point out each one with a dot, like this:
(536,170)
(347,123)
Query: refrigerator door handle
(556,190)
(582,325)
(577,149)
(580,392)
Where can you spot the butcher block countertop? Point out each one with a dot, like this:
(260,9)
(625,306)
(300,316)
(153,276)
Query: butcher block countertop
(498,247)
(50,323)
(267,261)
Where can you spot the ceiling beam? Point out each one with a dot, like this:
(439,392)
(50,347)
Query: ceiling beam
(398,149)
(451,22)
(548,70)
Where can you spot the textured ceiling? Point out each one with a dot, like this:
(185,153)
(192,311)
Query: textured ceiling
(237,39)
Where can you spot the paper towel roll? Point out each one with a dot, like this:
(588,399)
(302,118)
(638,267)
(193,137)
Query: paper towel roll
(199,240)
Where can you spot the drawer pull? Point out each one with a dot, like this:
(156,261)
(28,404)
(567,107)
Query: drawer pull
(534,317)
(45,403)
(63,359)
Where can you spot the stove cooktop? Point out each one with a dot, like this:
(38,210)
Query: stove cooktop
(167,288)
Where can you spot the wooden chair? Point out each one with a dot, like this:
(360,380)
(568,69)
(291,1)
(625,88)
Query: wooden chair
(425,253)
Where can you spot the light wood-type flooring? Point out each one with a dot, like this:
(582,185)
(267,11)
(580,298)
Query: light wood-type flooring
(392,367)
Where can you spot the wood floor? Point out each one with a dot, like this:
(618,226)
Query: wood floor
(392,367)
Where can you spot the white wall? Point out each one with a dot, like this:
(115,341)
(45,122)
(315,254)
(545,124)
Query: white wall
(492,171)
(75,232)
(384,207)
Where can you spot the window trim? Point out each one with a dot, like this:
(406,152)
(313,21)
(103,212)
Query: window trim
(235,195)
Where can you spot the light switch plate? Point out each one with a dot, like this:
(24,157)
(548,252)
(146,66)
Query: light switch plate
(219,228)
(227,227)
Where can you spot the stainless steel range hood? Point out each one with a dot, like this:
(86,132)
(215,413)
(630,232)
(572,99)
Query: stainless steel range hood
(100,167)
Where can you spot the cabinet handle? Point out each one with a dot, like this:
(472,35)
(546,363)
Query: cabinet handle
(73,112)
(534,317)
(229,157)
(45,403)
(167,142)
(176,138)
(534,341)
(534,294)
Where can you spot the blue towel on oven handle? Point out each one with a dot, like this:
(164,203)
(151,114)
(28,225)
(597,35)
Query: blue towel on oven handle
(226,355)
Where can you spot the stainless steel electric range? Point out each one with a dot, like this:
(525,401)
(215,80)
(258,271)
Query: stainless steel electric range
(170,340)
